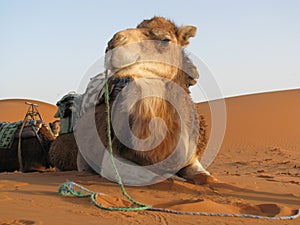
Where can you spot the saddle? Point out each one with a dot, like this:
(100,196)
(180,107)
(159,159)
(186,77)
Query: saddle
(29,130)
(72,106)
(11,130)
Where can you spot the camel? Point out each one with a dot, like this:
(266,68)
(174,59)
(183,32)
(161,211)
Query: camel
(63,151)
(152,56)
(34,151)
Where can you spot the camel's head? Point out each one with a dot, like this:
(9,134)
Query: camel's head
(55,128)
(154,48)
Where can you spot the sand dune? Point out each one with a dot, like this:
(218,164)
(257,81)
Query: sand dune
(262,135)
(258,168)
(15,109)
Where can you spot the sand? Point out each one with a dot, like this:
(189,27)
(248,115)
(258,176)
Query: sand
(258,169)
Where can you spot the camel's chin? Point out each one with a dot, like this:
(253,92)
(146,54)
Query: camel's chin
(126,70)
(122,65)
(144,69)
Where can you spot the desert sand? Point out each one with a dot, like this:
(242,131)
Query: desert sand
(258,169)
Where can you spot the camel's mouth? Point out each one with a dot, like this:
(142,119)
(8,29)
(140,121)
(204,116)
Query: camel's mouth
(120,58)
(150,58)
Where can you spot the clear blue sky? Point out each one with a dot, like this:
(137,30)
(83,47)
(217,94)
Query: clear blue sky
(47,46)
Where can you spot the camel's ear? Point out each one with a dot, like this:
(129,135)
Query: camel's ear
(184,33)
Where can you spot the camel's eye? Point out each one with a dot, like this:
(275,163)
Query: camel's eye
(165,42)
(161,35)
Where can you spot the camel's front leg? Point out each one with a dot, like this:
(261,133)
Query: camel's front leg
(196,173)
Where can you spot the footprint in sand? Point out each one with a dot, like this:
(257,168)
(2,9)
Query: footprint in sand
(270,210)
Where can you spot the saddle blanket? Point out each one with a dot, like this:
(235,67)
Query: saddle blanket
(7,133)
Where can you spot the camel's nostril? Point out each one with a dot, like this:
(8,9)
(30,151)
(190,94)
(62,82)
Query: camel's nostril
(119,39)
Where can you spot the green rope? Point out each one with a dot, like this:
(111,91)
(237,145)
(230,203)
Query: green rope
(68,189)
(118,177)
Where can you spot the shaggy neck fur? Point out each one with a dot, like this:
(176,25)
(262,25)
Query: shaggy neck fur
(154,119)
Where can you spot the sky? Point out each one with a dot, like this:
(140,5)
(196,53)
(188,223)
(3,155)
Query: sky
(47,47)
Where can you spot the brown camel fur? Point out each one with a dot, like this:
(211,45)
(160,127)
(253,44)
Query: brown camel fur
(34,156)
(63,152)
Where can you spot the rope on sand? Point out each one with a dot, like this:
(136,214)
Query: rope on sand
(68,188)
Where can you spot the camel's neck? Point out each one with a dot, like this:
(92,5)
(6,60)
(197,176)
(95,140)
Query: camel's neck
(154,121)
(153,104)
